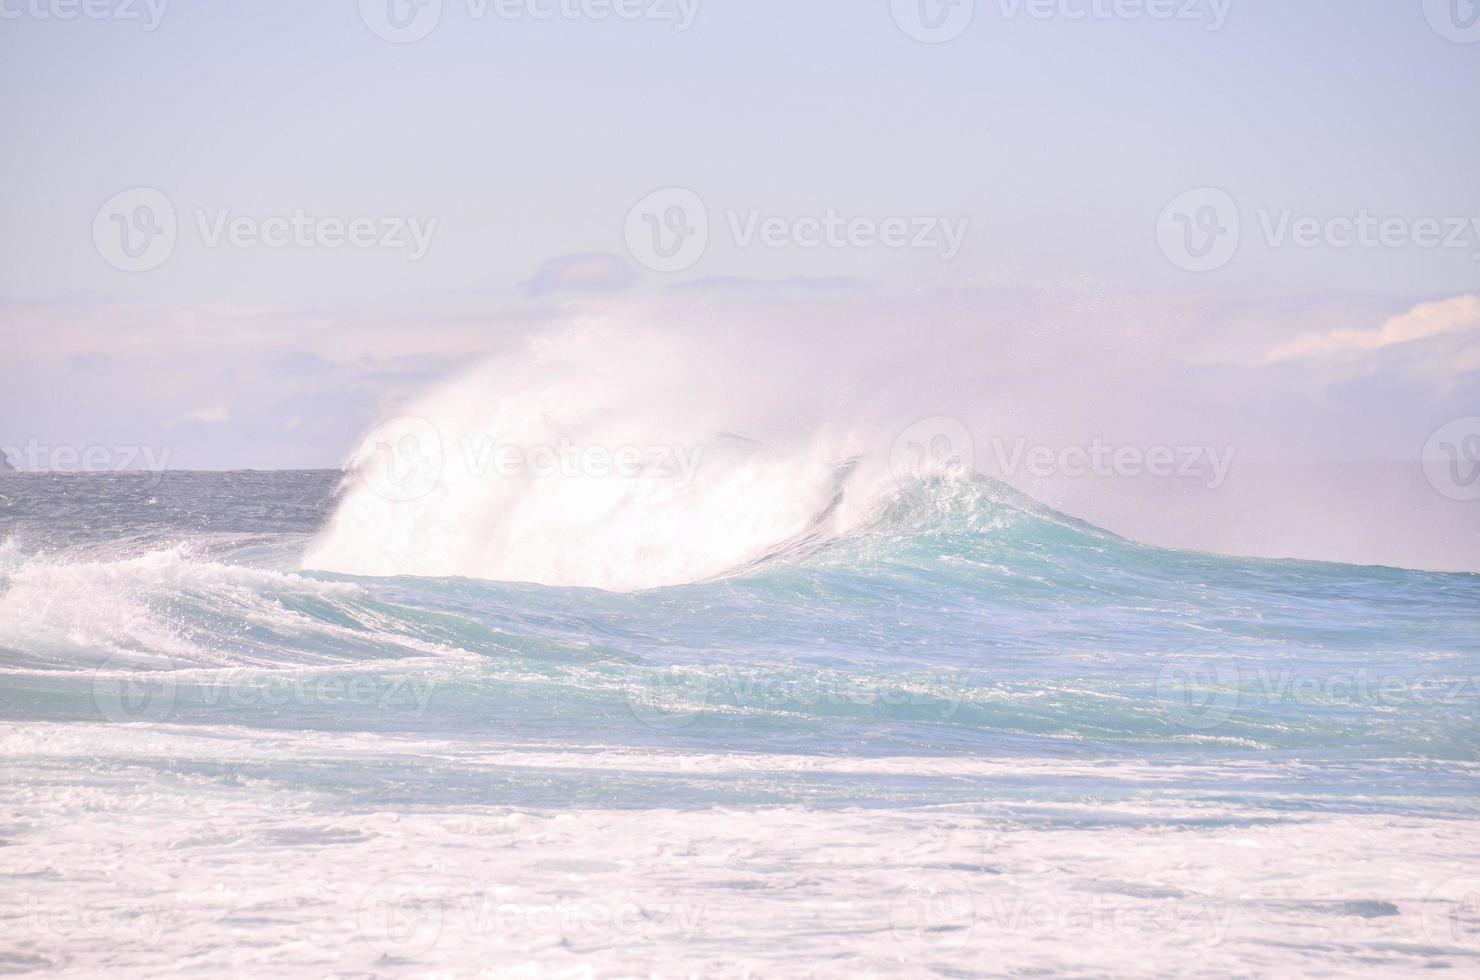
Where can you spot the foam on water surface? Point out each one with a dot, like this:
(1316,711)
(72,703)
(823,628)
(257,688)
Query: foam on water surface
(946,730)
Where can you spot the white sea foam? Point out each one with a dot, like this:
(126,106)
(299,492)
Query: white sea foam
(511,471)
(168,609)
(221,874)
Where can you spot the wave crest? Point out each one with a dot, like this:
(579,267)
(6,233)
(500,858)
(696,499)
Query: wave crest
(603,459)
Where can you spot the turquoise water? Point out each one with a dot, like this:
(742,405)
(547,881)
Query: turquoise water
(966,654)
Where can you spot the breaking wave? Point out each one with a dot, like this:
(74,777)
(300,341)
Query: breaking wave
(609,459)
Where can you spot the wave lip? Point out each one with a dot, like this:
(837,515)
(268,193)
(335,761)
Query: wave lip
(173,609)
(691,507)
(603,461)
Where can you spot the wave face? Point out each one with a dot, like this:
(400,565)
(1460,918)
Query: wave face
(918,726)
(1006,620)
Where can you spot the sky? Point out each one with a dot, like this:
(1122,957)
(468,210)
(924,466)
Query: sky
(1242,221)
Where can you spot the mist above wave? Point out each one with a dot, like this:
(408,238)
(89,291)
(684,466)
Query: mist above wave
(614,457)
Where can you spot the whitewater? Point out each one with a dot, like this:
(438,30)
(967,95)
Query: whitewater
(593,662)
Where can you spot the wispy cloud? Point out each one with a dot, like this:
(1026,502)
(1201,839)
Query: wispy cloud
(585,272)
(210,415)
(1456,315)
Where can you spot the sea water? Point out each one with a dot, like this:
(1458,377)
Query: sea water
(954,733)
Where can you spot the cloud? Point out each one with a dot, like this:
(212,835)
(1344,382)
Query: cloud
(296,422)
(210,415)
(585,272)
(1457,315)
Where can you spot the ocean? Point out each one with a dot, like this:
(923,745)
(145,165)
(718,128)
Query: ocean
(258,722)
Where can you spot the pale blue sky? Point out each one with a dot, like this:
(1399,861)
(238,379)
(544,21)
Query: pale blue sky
(1059,140)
